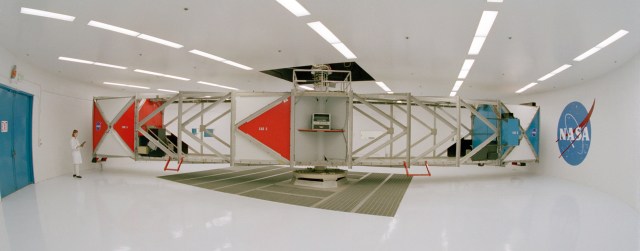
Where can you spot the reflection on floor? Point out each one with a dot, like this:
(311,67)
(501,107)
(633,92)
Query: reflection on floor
(467,208)
(365,193)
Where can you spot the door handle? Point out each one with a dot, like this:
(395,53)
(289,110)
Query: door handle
(13,153)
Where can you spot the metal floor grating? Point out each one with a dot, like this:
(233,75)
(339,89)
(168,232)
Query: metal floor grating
(365,193)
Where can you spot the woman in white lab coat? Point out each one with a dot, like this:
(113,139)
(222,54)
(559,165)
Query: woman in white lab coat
(75,153)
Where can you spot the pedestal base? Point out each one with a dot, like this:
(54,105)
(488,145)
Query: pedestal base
(319,177)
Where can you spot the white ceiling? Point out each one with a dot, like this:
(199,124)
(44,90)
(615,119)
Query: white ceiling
(413,46)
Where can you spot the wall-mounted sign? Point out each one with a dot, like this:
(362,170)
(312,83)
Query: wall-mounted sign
(574,132)
(4,126)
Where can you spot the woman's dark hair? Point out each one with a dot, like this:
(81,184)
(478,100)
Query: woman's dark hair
(74,131)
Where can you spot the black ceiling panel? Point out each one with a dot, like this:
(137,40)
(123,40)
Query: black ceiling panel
(357,73)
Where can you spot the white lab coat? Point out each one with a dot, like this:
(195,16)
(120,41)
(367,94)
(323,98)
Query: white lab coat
(75,151)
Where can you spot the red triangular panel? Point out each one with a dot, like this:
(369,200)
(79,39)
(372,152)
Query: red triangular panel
(99,126)
(272,128)
(147,108)
(126,126)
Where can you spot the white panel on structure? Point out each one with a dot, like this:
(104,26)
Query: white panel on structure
(247,147)
(112,146)
(248,150)
(111,107)
(368,135)
(249,105)
(523,112)
(521,152)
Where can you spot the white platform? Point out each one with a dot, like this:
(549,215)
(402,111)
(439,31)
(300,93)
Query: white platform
(483,209)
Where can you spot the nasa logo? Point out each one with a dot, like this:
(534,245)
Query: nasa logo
(574,132)
(98,126)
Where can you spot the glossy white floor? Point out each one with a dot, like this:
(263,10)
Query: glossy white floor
(457,209)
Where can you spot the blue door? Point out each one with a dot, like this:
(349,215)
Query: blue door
(16,162)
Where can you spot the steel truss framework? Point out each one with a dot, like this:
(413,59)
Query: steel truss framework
(399,116)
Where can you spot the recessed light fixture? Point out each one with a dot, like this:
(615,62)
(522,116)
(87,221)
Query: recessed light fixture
(207,55)
(457,86)
(160,41)
(601,45)
(486,21)
(132,86)
(82,61)
(48,14)
(165,90)
(452,94)
(161,74)
(294,7)
(244,67)
(219,59)
(217,85)
(526,87)
(134,34)
(305,87)
(113,28)
(75,60)
(466,67)
(325,33)
(554,72)
(384,87)
(344,50)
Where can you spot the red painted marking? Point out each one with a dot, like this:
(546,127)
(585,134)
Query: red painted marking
(582,124)
(406,170)
(125,126)
(272,128)
(147,108)
(98,133)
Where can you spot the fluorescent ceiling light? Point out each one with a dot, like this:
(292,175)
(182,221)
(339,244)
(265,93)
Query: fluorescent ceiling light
(43,13)
(75,60)
(344,50)
(383,86)
(207,55)
(113,28)
(526,87)
(165,90)
(161,74)
(476,45)
(452,94)
(612,38)
(494,1)
(586,54)
(466,67)
(324,32)
(554,72)
(132,86)
(175,77)
(305,87)
(457,85)
(217,85)
(149,72)
(110,65)
(390,93)
(219,59)
(486,21)
(601,45)
(295,7)
(244,67)
(160,41)
(91,62)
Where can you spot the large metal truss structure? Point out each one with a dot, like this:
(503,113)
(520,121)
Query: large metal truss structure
(407,128)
